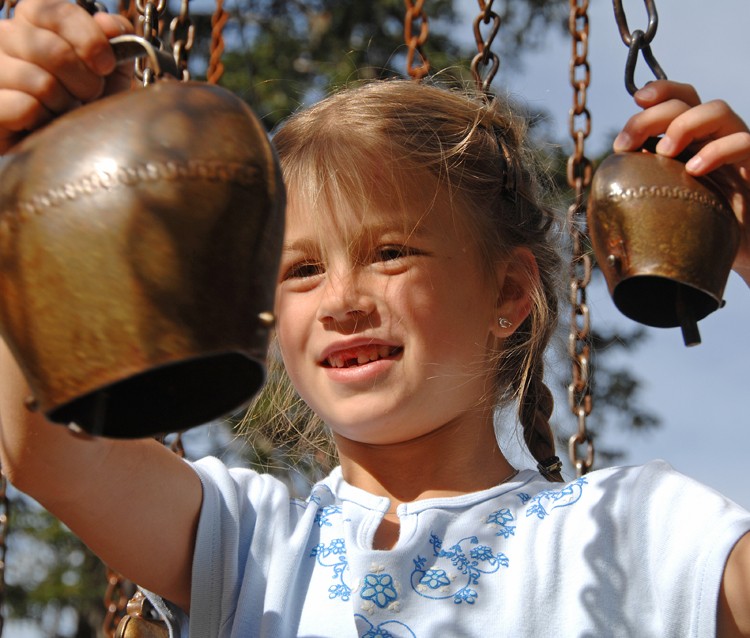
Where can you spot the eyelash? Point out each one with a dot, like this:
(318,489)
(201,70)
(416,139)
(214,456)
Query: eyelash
(393,252)
(303,270)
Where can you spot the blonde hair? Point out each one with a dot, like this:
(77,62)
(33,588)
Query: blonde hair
(475,150)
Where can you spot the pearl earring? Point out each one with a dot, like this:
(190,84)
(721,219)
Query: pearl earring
(504,323)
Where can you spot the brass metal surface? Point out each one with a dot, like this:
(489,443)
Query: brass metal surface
(139,245)
(664,240)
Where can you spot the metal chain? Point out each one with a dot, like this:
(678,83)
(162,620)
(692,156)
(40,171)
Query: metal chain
(579,173)
(150,14)
(219,20)
(486,62)
(116,598)
(181,38)
(638,41)
(415,20)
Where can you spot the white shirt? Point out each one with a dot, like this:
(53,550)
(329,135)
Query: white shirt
(636,551)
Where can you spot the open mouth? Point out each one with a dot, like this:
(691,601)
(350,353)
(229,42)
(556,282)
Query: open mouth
(361,356)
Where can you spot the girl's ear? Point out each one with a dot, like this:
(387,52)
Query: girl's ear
(517,277)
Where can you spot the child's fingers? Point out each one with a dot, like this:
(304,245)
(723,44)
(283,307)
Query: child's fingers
(21,112)
(81,35)
(649,123)
(729,149)
(24,77)
(663,90)
(710,121)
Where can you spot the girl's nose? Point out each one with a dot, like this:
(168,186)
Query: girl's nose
(345,301)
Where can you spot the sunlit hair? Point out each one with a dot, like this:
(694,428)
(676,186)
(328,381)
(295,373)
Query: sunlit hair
(386,143)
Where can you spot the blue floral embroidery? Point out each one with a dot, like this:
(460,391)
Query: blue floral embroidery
(435,578)
(435,582)
(371,631)
(547,500)
(379,589)
(502,518)
(333,555)
(322,516)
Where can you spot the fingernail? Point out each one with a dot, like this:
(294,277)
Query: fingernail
(694,164)
(665,146)
(104,62)
(647,93)
(623,142)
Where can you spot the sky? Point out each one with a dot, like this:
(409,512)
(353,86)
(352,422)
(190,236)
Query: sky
(698,392)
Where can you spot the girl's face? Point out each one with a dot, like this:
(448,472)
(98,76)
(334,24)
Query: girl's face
(386,321)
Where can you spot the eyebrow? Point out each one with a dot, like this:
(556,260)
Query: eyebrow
(306,244)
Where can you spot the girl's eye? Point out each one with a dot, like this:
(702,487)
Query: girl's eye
(303,270)
(389,253)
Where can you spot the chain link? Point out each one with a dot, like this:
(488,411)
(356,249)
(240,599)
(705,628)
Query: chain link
(416,30)
(579,174)
(219,20)
(181,39)
(116,598)
(638,41)
(486,62)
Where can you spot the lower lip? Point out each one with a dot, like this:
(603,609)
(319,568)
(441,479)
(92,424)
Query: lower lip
(367,372)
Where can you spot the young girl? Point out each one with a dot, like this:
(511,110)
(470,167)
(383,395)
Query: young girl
(417,292)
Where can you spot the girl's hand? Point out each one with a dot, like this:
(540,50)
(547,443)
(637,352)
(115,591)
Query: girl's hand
(714,132)
(53,57)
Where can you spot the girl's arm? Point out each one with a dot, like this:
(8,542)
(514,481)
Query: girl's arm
(134,503)
(722,142)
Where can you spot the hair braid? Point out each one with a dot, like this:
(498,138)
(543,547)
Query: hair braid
(534,412)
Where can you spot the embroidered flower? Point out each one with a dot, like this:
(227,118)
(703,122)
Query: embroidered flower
(502,519)
(435,578)
(323,515)
(379,589)
(337,546)
(466,594)
(482,552)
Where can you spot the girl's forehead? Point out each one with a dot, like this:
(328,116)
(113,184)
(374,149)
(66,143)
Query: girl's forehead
(351,222)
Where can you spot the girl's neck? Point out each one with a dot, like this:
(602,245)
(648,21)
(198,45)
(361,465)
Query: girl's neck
(457,458)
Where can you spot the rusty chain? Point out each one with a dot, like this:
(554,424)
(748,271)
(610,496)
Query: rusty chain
(486,62)
(638,41)
(116,598)
(416,30)
(218,22)
(579,174)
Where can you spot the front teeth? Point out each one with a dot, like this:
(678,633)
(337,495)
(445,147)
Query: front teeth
(360,356)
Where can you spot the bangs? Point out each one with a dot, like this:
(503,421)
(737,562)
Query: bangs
(345,181)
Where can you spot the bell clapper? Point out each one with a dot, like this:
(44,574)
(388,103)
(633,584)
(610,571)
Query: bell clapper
(690,333)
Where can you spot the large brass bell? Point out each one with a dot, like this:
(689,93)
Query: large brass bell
(139,245)
(665,240)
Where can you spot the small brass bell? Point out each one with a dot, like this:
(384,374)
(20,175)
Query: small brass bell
(664,240)
(139,244)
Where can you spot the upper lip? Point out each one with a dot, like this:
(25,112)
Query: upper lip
(351,344)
